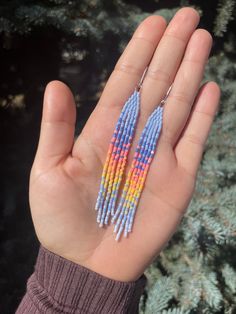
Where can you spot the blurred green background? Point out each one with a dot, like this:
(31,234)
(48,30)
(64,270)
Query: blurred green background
(79,42)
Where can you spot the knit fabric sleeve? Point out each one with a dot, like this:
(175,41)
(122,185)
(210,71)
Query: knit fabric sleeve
(61,286)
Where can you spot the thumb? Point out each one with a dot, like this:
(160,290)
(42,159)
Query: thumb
(57,125)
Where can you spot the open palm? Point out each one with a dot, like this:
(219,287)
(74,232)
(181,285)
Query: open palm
(65,176)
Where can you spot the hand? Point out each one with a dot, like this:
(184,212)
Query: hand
(65,176)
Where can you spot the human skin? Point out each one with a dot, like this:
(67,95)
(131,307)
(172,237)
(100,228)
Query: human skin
(65,176)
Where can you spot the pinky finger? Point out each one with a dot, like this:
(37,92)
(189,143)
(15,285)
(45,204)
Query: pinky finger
(190,145)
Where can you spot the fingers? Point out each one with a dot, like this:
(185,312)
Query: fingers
(125,77)
(190,145)
(133,62)
(167,58)
(186,85)
(57,126)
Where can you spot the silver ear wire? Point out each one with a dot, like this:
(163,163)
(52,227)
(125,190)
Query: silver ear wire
(166,96)
(141,80)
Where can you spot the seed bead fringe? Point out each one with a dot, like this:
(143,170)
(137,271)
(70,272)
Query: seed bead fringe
(142,142)
(134,176)
(116,158)
(141,182)
(112,156)
(121,166)
(119,161)
(114,162)
(137,174)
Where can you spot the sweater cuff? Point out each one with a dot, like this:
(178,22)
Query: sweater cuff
(72,288)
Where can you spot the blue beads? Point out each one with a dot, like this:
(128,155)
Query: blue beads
(116,159)
(141,162)
(123,213)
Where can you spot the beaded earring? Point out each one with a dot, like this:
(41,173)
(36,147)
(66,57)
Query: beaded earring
(114,166)
(137,174)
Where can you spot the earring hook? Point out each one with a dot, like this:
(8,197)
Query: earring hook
(141,80)
(166,96)
(163,101)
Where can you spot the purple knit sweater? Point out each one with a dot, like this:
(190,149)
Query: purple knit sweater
(61,286)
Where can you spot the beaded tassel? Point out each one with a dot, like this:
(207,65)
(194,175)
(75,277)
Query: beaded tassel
(116,159)
(115,163)
(121,166)
(143,173)
(137,174)
(133,167)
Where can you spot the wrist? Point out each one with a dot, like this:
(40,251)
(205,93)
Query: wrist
(55,276)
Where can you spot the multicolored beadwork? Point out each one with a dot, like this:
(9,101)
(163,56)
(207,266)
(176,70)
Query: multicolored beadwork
(116,159)
(134,184)
(113,170)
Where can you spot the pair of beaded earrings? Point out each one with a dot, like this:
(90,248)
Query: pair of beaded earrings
(113,170)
